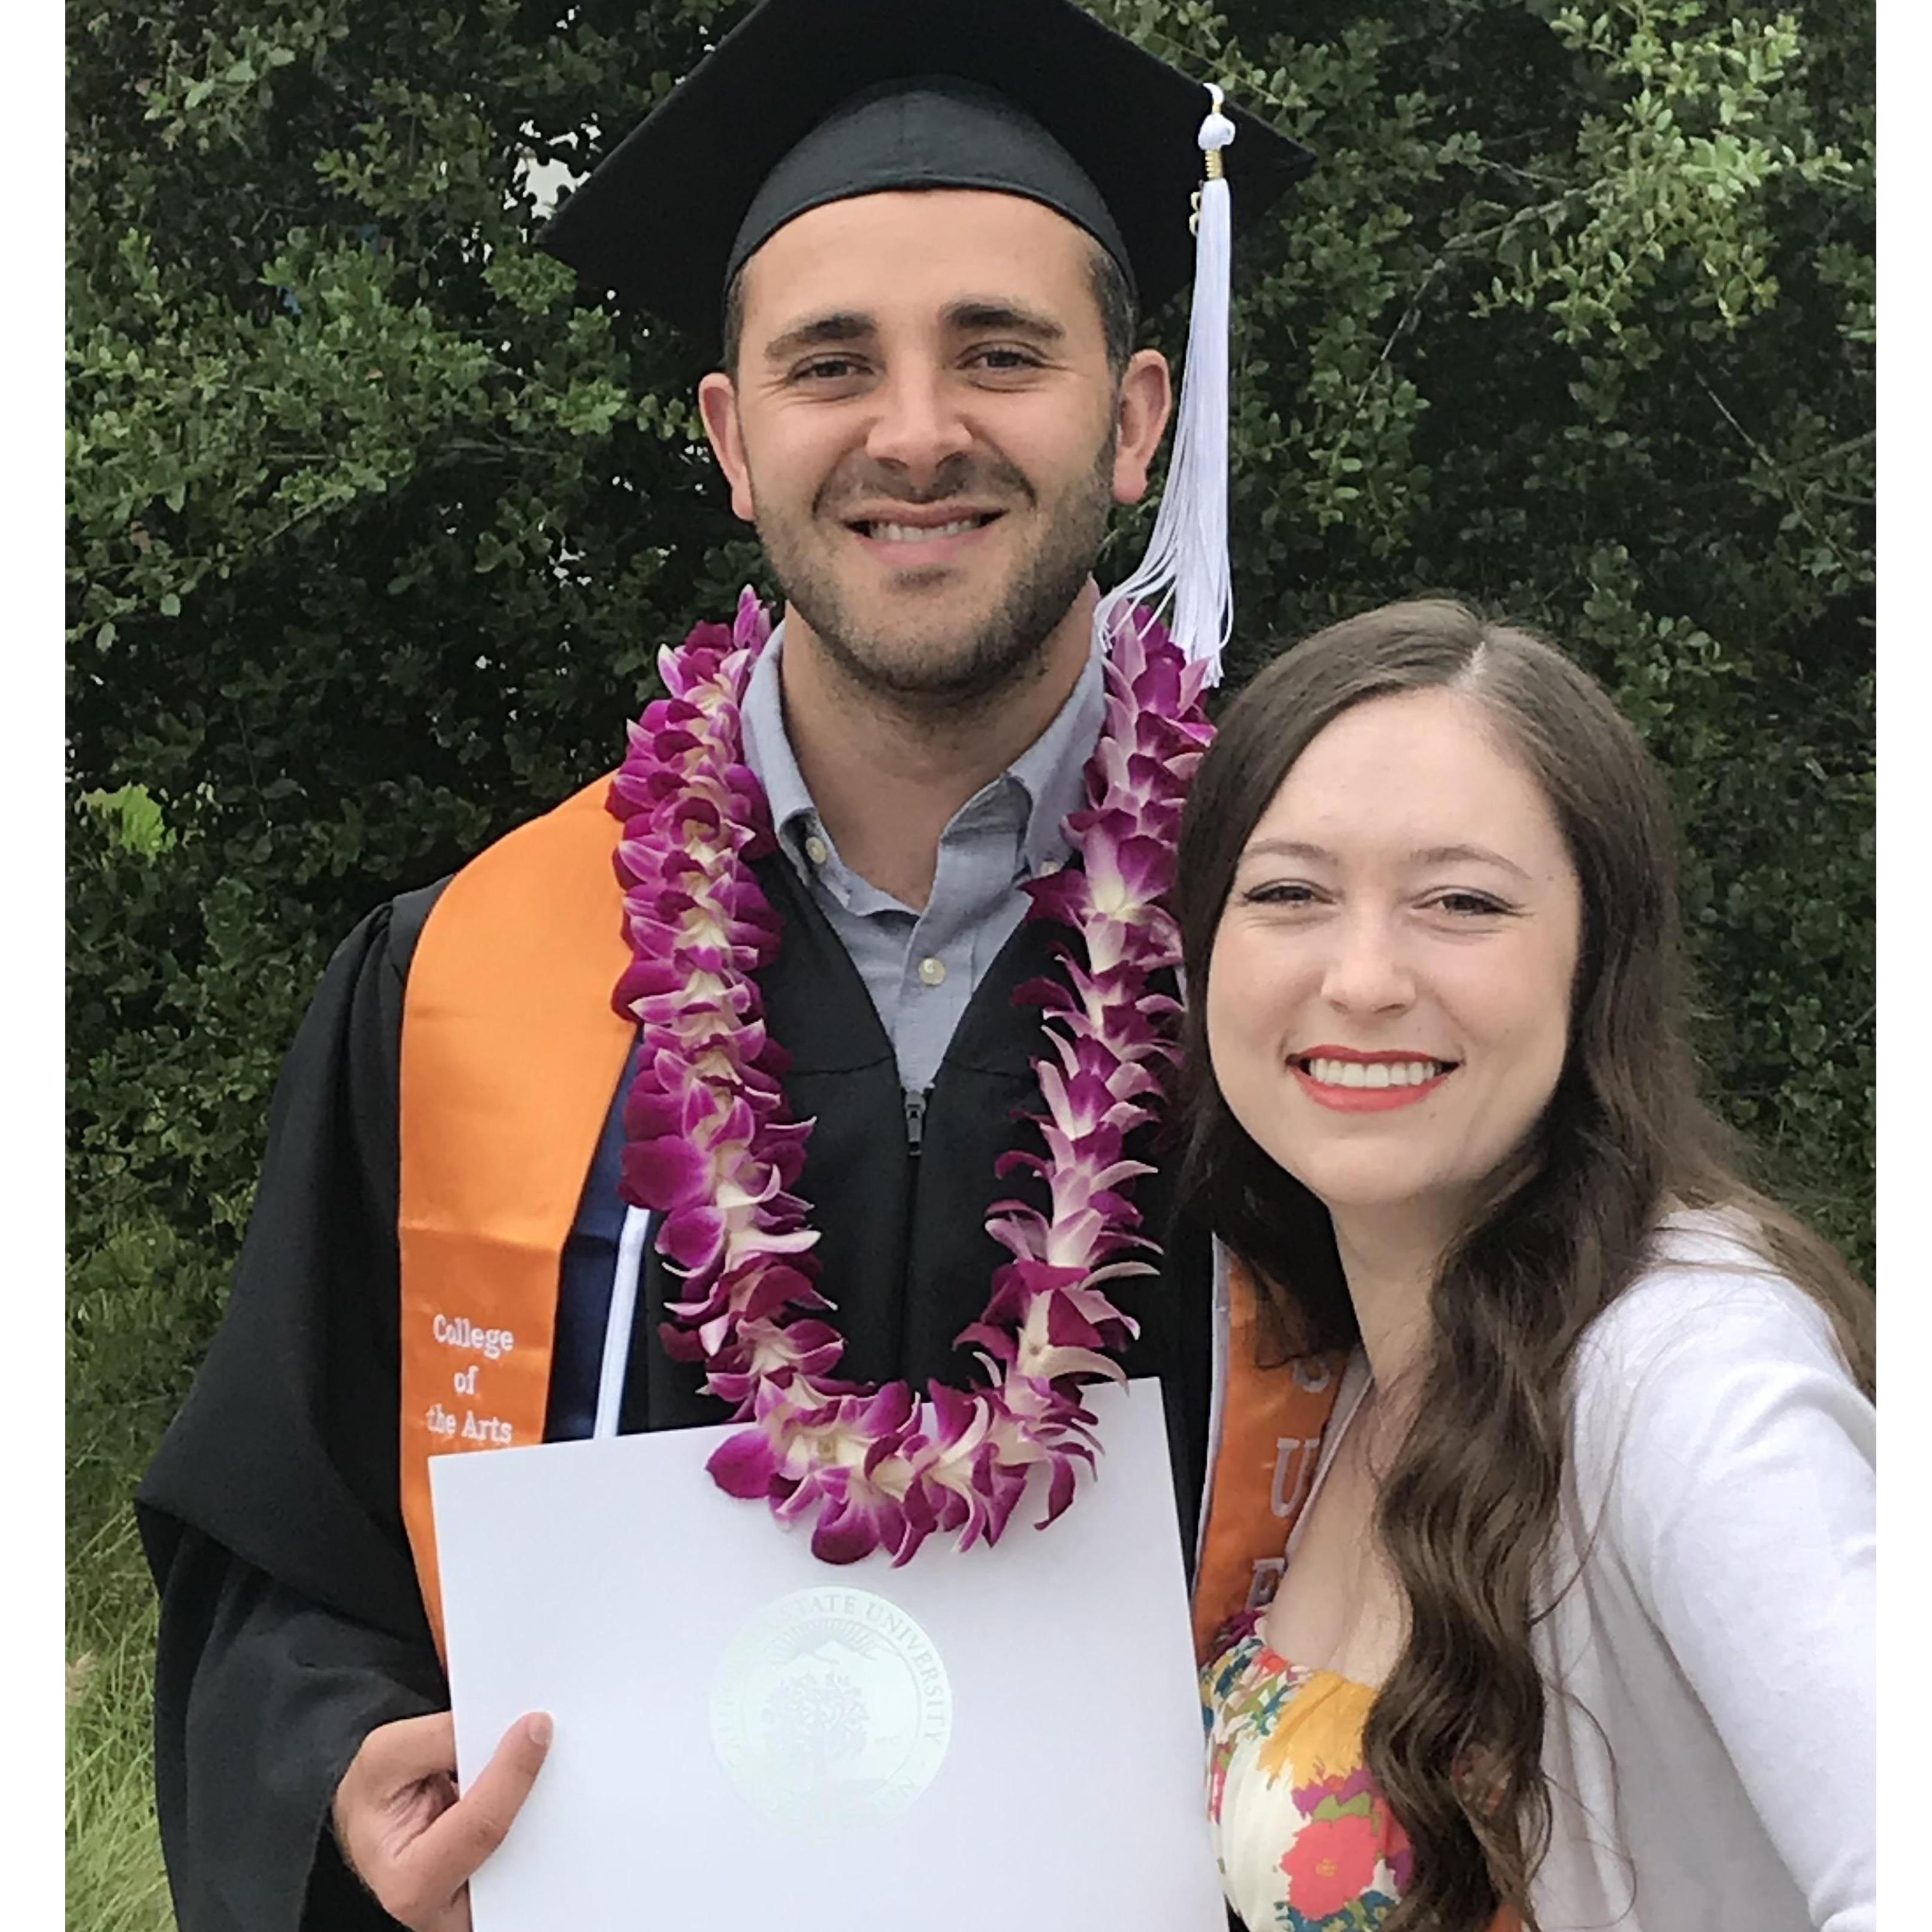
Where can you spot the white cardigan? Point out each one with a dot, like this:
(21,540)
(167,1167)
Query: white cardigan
(1710,1669)
(1719,1647)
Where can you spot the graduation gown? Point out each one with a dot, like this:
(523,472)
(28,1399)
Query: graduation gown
(292,1622)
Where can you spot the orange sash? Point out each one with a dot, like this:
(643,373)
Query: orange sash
(510,1052)
(1271,1421)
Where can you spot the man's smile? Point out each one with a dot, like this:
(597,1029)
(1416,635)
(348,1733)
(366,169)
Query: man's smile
(906,536)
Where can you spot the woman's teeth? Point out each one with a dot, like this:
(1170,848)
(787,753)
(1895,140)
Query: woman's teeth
(1374,1073)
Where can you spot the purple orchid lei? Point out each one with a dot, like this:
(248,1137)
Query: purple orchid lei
(709,1147)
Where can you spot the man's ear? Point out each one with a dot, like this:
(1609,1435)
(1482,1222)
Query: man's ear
(718,404)
(1145,402)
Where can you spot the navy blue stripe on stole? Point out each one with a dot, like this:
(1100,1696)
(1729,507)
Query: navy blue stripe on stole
(583,1290)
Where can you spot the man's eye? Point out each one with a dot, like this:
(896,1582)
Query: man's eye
(827,369)
(1003,360)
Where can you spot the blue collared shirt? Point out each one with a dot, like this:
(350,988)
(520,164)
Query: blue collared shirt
(921,966)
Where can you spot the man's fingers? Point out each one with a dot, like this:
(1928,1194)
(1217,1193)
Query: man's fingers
(440,1861)
(410,1748)
(394,1757)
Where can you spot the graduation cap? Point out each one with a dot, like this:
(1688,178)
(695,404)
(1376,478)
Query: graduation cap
(807,102)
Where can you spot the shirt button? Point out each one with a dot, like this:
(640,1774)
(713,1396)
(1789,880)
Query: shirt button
(817,851)
(932,971)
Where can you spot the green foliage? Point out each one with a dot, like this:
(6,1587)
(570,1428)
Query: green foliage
(377,522)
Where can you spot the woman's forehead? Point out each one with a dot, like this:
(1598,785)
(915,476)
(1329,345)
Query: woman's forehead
(1420,771)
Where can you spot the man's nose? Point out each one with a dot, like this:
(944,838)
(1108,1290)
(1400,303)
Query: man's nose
(918,426)
(1367,972)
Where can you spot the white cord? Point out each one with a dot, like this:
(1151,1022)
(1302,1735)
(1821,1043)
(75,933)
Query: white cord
(624,1280)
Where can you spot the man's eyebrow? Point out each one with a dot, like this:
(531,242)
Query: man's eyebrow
(981,312)
(1431,855)
(842,326)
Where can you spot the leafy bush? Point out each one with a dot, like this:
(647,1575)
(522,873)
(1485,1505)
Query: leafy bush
(377,523)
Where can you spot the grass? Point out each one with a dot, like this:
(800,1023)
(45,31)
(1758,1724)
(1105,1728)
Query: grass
(114,1881)
(141,1304)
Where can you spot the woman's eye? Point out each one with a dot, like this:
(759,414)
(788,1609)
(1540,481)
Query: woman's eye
(1281,892)
(1470,905)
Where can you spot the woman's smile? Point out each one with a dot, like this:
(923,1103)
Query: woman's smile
(1354,1082)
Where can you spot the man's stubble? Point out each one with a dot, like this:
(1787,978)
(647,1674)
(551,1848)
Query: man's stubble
(941,667)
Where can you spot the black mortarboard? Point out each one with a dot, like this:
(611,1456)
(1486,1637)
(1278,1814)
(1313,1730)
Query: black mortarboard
(804,102)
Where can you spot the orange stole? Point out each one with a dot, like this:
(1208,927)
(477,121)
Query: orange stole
(510,1052)
(1271,1424)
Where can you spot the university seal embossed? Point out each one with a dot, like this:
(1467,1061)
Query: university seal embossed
(830,1706)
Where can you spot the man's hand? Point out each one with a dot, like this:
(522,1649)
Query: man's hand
(408,1836)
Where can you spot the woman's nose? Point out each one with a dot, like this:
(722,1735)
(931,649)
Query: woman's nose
(1367,972)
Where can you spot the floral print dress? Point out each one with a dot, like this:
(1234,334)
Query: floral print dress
(1304,1839)
(1306,1842)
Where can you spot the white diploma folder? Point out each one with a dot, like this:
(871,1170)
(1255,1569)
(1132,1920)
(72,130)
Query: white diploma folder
(746,1736)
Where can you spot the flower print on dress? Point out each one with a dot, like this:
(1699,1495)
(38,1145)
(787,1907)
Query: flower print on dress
(1332,1864)
(1323,1852)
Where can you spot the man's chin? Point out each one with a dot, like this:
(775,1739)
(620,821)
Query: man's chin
(911,583)
(947,669)
(894,653)
(928,616)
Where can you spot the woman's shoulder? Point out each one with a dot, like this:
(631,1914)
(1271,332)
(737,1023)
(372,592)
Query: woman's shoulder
(1711,1361)
(1708,1295)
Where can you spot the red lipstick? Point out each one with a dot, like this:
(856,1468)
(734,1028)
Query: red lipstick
(1367,1099)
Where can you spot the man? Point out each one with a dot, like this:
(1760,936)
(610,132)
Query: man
(928,399)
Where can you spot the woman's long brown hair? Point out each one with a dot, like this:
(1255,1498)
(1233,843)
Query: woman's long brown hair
(1470,1501)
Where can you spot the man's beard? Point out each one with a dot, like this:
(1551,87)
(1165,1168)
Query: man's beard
(936,667)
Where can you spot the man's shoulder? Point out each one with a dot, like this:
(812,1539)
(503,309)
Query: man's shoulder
(408,912)
(383,940)
(574,837)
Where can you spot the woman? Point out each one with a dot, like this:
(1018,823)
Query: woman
(1576,1625)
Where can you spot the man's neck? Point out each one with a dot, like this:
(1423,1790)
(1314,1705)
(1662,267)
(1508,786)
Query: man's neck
(886,779)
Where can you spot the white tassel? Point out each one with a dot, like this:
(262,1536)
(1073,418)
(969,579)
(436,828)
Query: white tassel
(1184,576)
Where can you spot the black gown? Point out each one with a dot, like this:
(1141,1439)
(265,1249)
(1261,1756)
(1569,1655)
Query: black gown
(291,1622)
